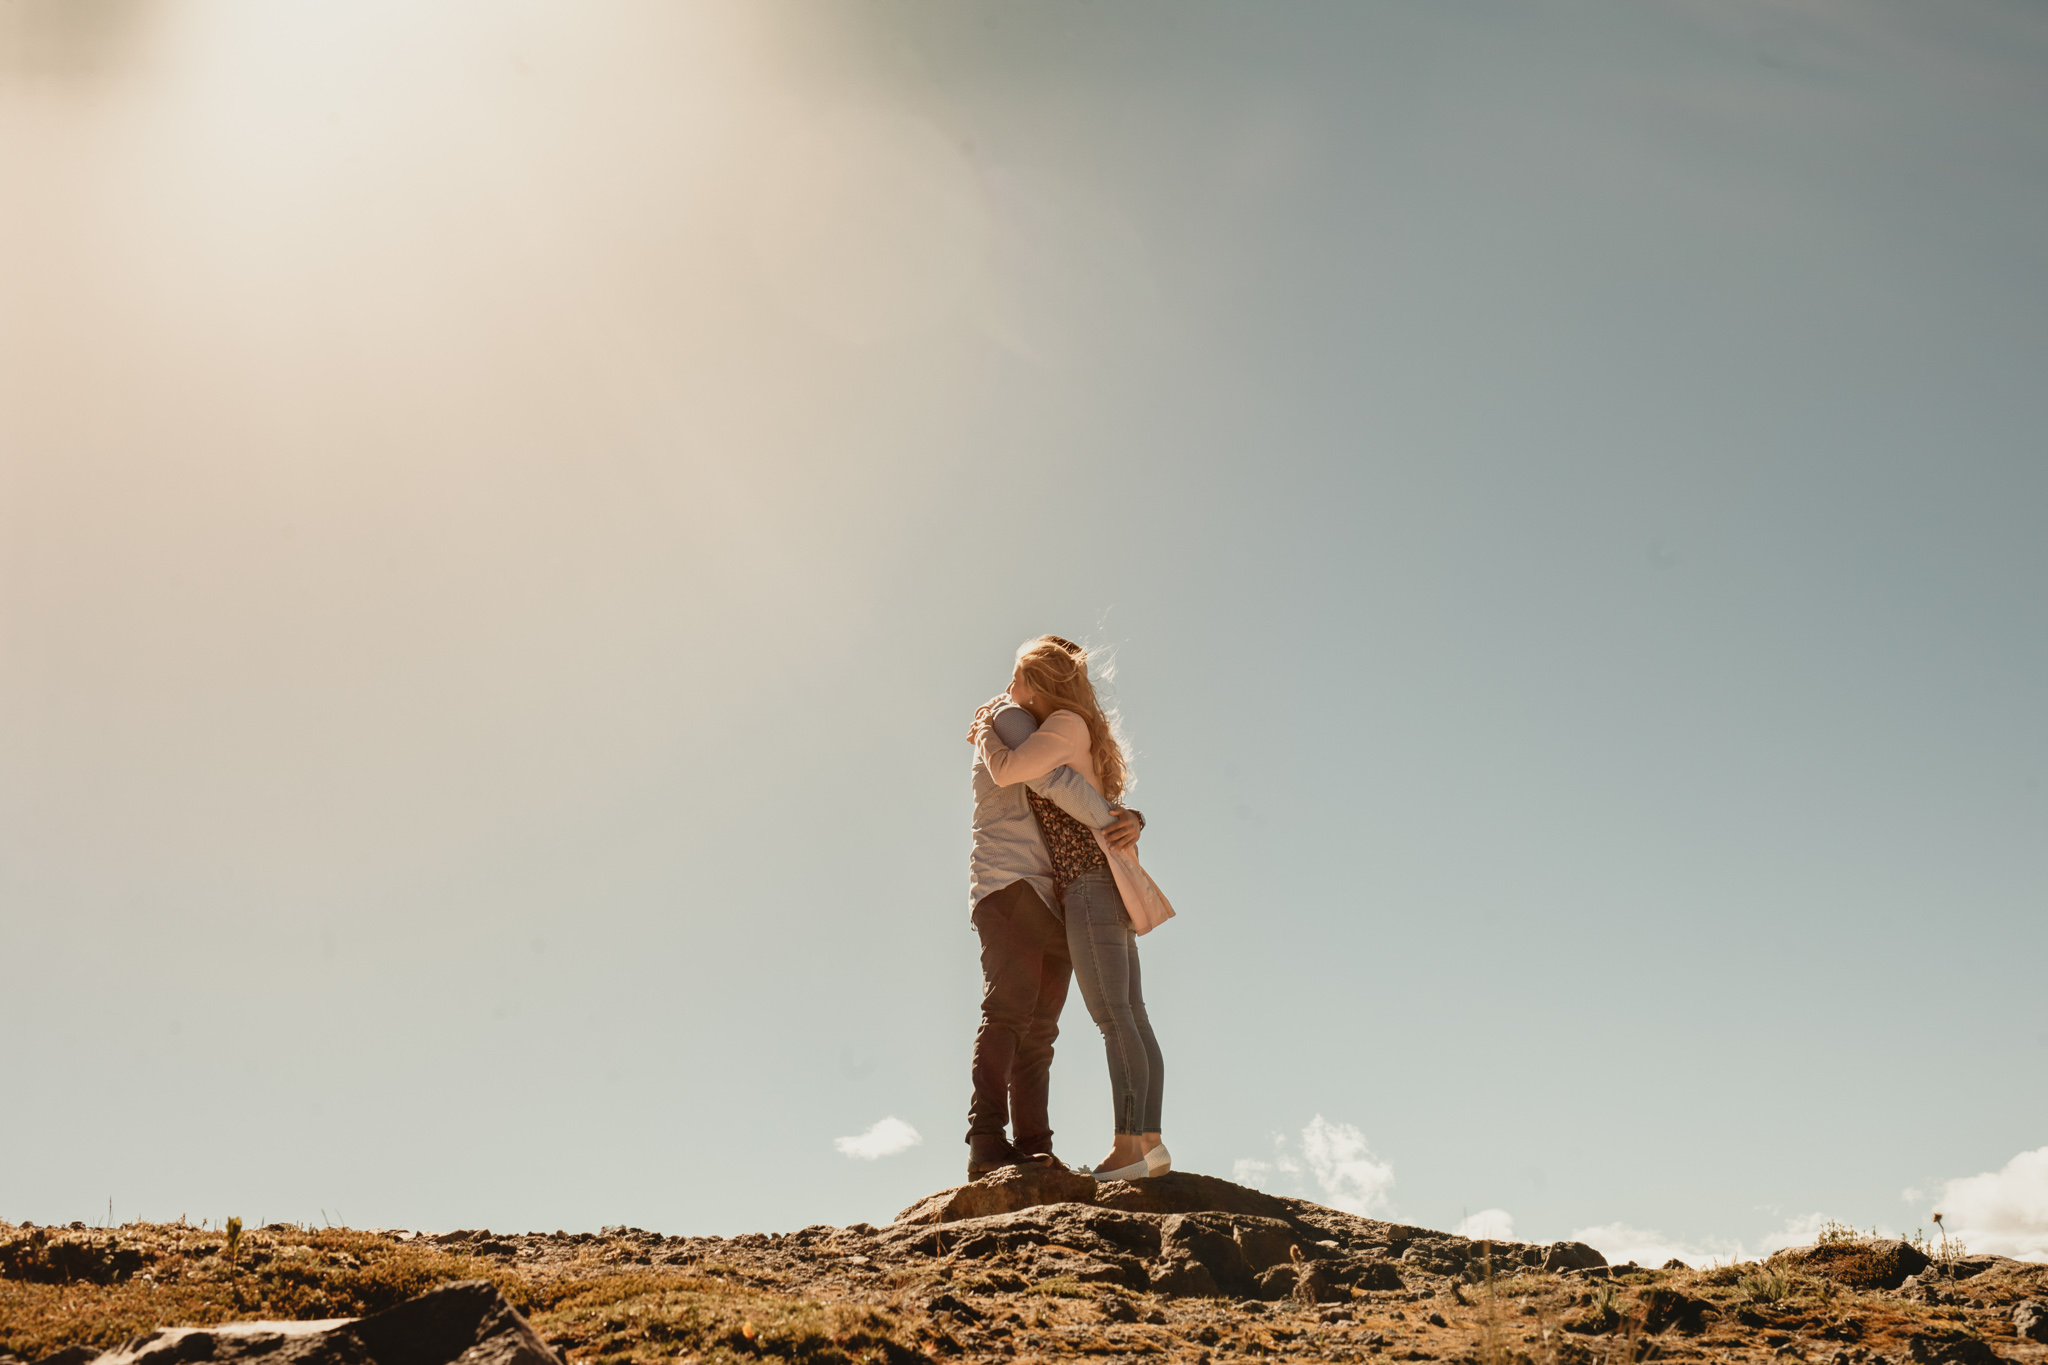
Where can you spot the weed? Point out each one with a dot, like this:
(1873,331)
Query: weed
(1952,1250)
(1061,1287)
(1493,1348)
(234,1242)
(1764,1285)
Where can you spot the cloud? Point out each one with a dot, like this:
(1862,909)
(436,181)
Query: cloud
(1620,1243)
(1496,1225)
(888,1137)
(2004,1212)
(1353,1179)
(1350,1177)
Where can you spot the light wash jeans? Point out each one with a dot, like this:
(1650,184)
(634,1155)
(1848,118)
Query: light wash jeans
(1105,953)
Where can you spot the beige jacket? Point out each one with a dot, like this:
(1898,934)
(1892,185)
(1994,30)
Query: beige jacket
(1062,741)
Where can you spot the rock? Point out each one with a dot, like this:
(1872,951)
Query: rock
(1675,1264)
(1117,1308)
(1664,1309)
(1967,1267)
(1559,1257)
(70,1355)
(954,1307)
(40,1259)
(1373,1272)
(1950,1347)
(1314,1283)
(469,1320)
(1081,1227)
(1593,1321)
(1278,1282)
(1186,1192)
(1004,1191)
(1864,1263)
(1439,1255)
(2029,1321)
(1126,1271)
(1208,1238)
(1265,1242)
(1436,1320)
(1184,1277)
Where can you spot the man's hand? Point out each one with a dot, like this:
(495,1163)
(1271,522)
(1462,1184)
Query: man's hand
(1122,832)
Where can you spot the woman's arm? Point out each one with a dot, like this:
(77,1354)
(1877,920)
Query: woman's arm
(1063,786)
(1063,739)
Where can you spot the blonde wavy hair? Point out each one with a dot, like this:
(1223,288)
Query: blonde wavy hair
(1057,670)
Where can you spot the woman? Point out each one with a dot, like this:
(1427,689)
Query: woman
(1051,682)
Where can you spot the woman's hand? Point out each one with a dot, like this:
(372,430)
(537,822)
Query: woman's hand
(984,718)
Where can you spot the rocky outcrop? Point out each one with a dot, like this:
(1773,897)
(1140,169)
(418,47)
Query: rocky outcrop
(2029,1322)
(1189,1235)
(1861,1263)
(468,1321)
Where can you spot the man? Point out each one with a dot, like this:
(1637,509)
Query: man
(1024,963)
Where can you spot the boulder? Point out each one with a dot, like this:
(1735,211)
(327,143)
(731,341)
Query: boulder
(1004,1191)
(1209,1239)
(1182,1276)
(1305,1280)
(1126,1271)
(1186,1192)
(40,1258)
(1373,1272)
(1664,1309)
(1559,1257)
(1265,1242)
(2029,1321)
(1861,1263)
(1438,1255)
(469,1320)
(1950,1346)
(1079,1227)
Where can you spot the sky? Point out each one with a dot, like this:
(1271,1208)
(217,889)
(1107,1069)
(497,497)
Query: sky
(507,509)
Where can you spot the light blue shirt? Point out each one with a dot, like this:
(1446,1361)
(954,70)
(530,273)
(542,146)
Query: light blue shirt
(1008,846)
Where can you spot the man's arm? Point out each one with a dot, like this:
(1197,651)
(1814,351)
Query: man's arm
(1066,788)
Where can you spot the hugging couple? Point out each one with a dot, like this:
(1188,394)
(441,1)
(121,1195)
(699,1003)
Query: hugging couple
(1058,892)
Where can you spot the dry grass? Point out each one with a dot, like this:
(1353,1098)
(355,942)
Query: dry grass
(618,1300)
(177,1274)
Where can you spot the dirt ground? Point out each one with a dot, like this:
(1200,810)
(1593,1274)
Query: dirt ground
(1005,1288)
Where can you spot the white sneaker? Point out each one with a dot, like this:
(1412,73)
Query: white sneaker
(1158,1161)
(1137,1170)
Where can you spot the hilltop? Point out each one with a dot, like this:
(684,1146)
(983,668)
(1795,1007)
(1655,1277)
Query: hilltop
(1024,1265)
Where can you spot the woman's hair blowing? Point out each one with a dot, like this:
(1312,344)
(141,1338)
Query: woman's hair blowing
(1057,670)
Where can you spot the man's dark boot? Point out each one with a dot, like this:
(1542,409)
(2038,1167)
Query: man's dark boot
(989,1152)
(1038,1152)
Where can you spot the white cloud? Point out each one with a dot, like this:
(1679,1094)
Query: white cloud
(1353,1179)
(1348,1175)
(1620,1243)
(1497,1225)
(2004,1212)
(886,1138)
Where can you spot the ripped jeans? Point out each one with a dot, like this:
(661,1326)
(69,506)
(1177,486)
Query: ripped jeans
(1105,953)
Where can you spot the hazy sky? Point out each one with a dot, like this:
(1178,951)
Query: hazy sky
(506,509)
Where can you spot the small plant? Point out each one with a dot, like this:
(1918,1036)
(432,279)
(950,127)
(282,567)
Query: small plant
(1951,1250)
(1834,1234)
(1765,1285)
(233,1247)
(1061,1287)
